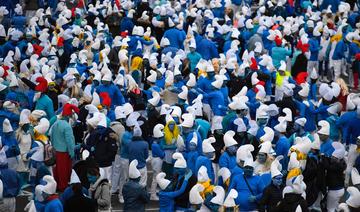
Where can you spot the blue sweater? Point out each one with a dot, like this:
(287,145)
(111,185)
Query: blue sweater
(9,140)
(191,160)
(326,148)
(227,161)
(340,49)
(114,93)
(282,148)
(207,49)
(157,151)
(344,123)
(278,54)
(314,47)
(139,150)
(217,102)
(176,37)
(45,103)
(54,206)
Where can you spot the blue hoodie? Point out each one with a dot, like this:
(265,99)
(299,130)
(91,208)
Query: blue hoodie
(204,161)
(207,49)
(176,37)
(228,161)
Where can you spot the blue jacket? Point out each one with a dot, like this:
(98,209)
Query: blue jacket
(202,127)
(334,130)
(45,103)
(166,198)
(354,130)
(326,148)
(138,149)
(314,47)
(227,161)
(191,160)
(9,140)
(340,49)
(62,137)
(239,184)
(194,58)
(126,24)
(13,118)
(114,93)
(135,196)
(204,161)
(217,102)
(343,123)
(333,3)
(188,138)
(322,112)
(125,141)
(11,181)
(204,84)
(278,54)
(68,193)
(207,49)
(156,150)
(54,206)
(176,37)
(309,113)
(282,148)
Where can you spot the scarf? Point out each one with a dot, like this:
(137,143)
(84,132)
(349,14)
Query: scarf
(208,188)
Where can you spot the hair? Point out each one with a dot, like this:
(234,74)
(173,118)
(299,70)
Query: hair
(94,171)
(344,88)
(170,135)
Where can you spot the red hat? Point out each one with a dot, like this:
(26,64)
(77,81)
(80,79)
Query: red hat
(38,49)
(303,47)
(301,77)
(253,65)
(357,57)
(278,40)
(69,109)
(106,100)
(60,42)
(124,34)
(42,84)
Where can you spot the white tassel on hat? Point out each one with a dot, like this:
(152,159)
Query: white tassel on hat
(218,199)
(180,162)
(161,181)
(229,138)
(266,147)
(194,194)
(134,173)
(276,167)
(74,178)
(42,126)
(324,127)
(224,173)
(158,131)
(7,126)
(202,175)
(207,145)
(50,187)
(268,136)
(229,201)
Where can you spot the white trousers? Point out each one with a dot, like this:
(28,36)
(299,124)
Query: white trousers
(8,205)
(143,177)
(124,174)
(115,175)
(337,68)
(333,199)
(311,66)
(352,155)
(156,164)
(107,172)
(207,111)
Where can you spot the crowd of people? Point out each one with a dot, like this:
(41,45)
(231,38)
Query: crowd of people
(231,105)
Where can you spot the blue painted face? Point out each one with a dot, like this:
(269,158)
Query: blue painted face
(277,180)
(262,121)
(210,155)
(91,178)
(248,171)
(211,75)
(232,150)
(172,126)
(192,146)
(179,171)
(262,157)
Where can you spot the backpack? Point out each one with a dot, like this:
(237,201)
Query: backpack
(49,154)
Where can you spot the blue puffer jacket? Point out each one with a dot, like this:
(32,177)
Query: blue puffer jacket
(228,161)
(176,37)
(204,161)
(257,186)
(45,103)
(11,181)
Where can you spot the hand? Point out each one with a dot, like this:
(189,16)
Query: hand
(188,175)
(252,198)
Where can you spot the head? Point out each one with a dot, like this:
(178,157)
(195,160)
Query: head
(323,137)
(186,130)
(248,171)
(241,113)
(297,127)
(277,180)
(210,75)
(171,125)
(93,174)
(262,121)
(232,149)
(262,157)
(105,82)
(192,49)
(192,146)
(210,155)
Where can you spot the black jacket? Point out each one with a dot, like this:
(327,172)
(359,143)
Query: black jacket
(183,200)
(334,172)
(272,195)
(79,202)
(290,202)
(311,175)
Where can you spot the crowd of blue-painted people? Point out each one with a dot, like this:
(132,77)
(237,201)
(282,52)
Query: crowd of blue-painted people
(201,105)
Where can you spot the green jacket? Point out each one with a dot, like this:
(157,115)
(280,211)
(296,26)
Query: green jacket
(62,137)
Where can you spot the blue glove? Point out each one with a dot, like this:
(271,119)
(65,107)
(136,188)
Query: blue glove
(252,198)
(188,175)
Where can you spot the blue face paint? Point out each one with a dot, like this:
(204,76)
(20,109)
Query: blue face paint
(248,171)
(186,130)
(91,178)
(261,121)
(262,157)
(210,155)
(192,146)
(211,75)
(179,171)
(277,180)
(171,126)
(232,150)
